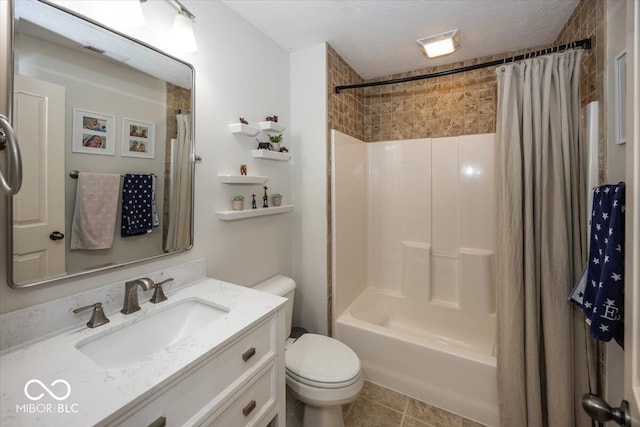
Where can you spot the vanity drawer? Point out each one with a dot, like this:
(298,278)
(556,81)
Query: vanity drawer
(252,406)
(208,384)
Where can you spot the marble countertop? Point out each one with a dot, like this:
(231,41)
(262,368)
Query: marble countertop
(96,393)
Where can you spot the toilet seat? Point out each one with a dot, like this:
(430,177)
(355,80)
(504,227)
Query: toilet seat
(322,362)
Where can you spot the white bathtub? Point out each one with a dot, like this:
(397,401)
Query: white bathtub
(413,267)
(406,349)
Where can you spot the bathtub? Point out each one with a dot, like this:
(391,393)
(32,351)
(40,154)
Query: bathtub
(451,367)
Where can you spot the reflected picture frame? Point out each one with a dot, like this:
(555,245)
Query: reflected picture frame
(93,132)
(138,139)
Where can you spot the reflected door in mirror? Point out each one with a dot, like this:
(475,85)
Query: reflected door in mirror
(38,209)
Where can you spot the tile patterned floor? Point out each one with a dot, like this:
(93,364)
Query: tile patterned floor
(380,407)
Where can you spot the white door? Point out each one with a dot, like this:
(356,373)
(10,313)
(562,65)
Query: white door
(632,261)
(38,209)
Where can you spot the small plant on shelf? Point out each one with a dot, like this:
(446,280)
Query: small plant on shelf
(277,199)
(237,202)
(275,141)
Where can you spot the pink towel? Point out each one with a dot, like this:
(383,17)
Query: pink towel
(94,217)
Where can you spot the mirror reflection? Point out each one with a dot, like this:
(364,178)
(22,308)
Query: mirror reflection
(104,126)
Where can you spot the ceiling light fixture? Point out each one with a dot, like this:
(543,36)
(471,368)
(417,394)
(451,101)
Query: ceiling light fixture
(182,30)
(440,44)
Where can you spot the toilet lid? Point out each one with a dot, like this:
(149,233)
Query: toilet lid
(316,358)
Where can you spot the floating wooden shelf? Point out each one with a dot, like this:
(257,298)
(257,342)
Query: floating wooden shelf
(271,155)
(271,126)
(242,179)
(243,129)
(251,213)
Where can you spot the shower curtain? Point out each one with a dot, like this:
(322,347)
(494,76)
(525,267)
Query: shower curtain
(542,369)
(181,176)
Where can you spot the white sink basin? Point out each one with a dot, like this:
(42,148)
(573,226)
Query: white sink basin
(136,341)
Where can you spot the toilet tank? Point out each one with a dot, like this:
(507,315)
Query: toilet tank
(282,286)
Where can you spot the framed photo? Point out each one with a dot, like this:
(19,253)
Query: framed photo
(93,133)
(138,139)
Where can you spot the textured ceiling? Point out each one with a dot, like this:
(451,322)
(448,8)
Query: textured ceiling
(378,37)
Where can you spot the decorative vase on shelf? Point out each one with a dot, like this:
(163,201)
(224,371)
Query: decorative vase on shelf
(277,199)
(237,202)
(275,146)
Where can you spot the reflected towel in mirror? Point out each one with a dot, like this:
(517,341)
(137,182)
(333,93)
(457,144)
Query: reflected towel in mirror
(138,205)
(94,216)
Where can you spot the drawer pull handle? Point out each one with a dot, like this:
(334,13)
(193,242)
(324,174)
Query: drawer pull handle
(160,422)
(250,407)
(248,354)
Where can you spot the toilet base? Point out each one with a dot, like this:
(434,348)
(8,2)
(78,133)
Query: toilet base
(323,407)
(328,416)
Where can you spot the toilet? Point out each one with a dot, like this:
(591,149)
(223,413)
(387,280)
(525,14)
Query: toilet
(321,372)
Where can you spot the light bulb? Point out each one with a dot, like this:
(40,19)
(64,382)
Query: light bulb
(182,33)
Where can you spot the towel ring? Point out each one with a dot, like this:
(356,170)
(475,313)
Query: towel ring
(9,141)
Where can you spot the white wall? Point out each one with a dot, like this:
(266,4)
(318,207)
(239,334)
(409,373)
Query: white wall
(239,72)
(616,170)
(309,138)
(616,43)
(423,213)
(349,207)
(399,209)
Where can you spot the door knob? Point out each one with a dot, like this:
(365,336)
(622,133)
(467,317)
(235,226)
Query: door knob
(598,409)
(56,235)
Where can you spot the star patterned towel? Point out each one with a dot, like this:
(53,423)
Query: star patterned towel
(600,292)
(137,205)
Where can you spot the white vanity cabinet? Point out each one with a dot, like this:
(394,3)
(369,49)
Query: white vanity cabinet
(206,368)
(240,384)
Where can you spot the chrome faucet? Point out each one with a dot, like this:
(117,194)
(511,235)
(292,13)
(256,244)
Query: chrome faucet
(131,294)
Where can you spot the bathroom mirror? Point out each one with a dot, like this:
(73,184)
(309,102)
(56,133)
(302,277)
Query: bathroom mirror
(89,100)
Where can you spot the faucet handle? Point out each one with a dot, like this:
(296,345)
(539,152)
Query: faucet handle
(170,279)
(98,317)
(158,293)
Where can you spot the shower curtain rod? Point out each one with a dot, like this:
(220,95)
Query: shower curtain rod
(584,44)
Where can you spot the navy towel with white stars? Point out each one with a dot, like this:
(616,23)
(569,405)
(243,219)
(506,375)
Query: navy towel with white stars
(137,205)
(601,295)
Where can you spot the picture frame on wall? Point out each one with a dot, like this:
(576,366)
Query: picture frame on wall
(138,139)
(93,133)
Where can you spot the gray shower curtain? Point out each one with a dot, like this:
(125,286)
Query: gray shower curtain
(180,188)
(541,242)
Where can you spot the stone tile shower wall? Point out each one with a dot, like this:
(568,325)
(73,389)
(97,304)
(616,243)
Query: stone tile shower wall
(346,110)
(460,104)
